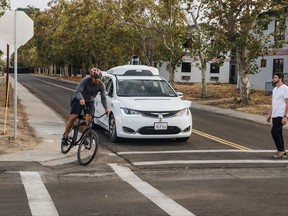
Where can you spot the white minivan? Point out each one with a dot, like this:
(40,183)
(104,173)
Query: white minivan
(143,105)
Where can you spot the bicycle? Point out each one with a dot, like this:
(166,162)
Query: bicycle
(88,141)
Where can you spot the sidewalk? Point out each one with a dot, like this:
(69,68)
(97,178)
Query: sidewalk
(49,127)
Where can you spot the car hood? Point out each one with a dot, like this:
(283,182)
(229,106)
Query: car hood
(154,104)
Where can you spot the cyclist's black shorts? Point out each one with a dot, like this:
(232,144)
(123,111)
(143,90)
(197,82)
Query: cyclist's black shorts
(76,107)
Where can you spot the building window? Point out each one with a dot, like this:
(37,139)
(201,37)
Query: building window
(214,79)
(185,78)
(214,68)
(186,67)
(263,63)
(280,26)
(278,65)
(265,26)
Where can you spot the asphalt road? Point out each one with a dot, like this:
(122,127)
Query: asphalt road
(224,169)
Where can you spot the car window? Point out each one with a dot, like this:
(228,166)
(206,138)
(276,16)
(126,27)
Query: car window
(109,88)
(105,80)
(144,88)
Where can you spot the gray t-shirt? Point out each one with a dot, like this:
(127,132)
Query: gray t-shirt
(88,91)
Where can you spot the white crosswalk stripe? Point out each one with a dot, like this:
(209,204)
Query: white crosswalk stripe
(39,200)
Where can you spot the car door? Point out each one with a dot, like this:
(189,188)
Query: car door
(99,110)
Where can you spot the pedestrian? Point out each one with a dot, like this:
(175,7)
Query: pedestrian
(278,113)
(85,93)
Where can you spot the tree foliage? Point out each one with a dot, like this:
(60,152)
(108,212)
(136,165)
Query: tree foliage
(80,34)
(238,24)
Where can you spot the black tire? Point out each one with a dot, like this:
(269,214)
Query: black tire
(66,148)
(112,129)
(87,148)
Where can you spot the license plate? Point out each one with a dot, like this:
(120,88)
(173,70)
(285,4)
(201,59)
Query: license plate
(160,125)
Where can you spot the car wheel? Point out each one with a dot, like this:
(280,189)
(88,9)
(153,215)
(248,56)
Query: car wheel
(184,139)
(112,129)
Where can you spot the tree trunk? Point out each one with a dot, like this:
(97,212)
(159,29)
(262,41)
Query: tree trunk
(50,70)
(203,68)
(243,63)
(83,72)
(204,85)
(66,69)
(171,74)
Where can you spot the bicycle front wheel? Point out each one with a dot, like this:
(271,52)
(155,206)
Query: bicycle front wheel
(87,148)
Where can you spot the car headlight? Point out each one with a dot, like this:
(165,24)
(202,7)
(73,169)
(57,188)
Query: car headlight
(128,111)
(182,112)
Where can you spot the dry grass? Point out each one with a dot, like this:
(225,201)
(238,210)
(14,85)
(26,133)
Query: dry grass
(226,96)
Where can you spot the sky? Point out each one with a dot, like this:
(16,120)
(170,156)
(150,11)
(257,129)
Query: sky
(41,4)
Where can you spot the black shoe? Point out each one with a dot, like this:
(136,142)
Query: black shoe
(64,141)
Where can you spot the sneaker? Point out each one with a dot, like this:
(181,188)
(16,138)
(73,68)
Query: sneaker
(64,141)
(280,155)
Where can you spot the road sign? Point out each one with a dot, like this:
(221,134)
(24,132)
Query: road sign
(15,23)
(16,28)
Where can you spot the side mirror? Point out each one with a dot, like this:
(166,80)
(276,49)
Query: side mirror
(180,94)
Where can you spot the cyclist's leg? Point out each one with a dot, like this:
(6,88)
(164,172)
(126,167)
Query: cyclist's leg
(74,112)
(89,112)
(70,124)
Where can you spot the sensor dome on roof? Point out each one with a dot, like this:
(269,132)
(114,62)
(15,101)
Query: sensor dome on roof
(135,60)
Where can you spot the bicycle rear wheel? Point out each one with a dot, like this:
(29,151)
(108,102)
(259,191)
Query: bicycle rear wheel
(87,148)
(66,148)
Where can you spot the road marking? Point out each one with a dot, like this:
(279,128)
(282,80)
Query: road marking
(195,151)
(161,200)
(217,139)
(55,85)
(173,162)
(40,202)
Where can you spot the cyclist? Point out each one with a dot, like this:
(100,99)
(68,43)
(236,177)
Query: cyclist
(85,94)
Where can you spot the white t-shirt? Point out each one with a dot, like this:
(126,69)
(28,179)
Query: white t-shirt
(278,101)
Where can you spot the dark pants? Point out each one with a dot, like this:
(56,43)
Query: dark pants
(76,108)
(276,132)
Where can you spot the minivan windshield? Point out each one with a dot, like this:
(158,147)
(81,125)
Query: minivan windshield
(144,88)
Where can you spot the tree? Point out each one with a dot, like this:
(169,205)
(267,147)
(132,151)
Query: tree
(238,23)
(172,24)
(204,45)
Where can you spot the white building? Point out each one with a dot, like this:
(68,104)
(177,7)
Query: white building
(273,61)
(189,72)
(269,63)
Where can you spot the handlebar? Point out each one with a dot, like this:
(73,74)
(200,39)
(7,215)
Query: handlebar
(85,108)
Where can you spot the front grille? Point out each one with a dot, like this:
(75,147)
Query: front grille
(155,114)
(152,131)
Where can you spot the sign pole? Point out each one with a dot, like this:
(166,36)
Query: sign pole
(15,75)
(7,76)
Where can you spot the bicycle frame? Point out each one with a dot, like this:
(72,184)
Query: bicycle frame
(76,128)
(76,131)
